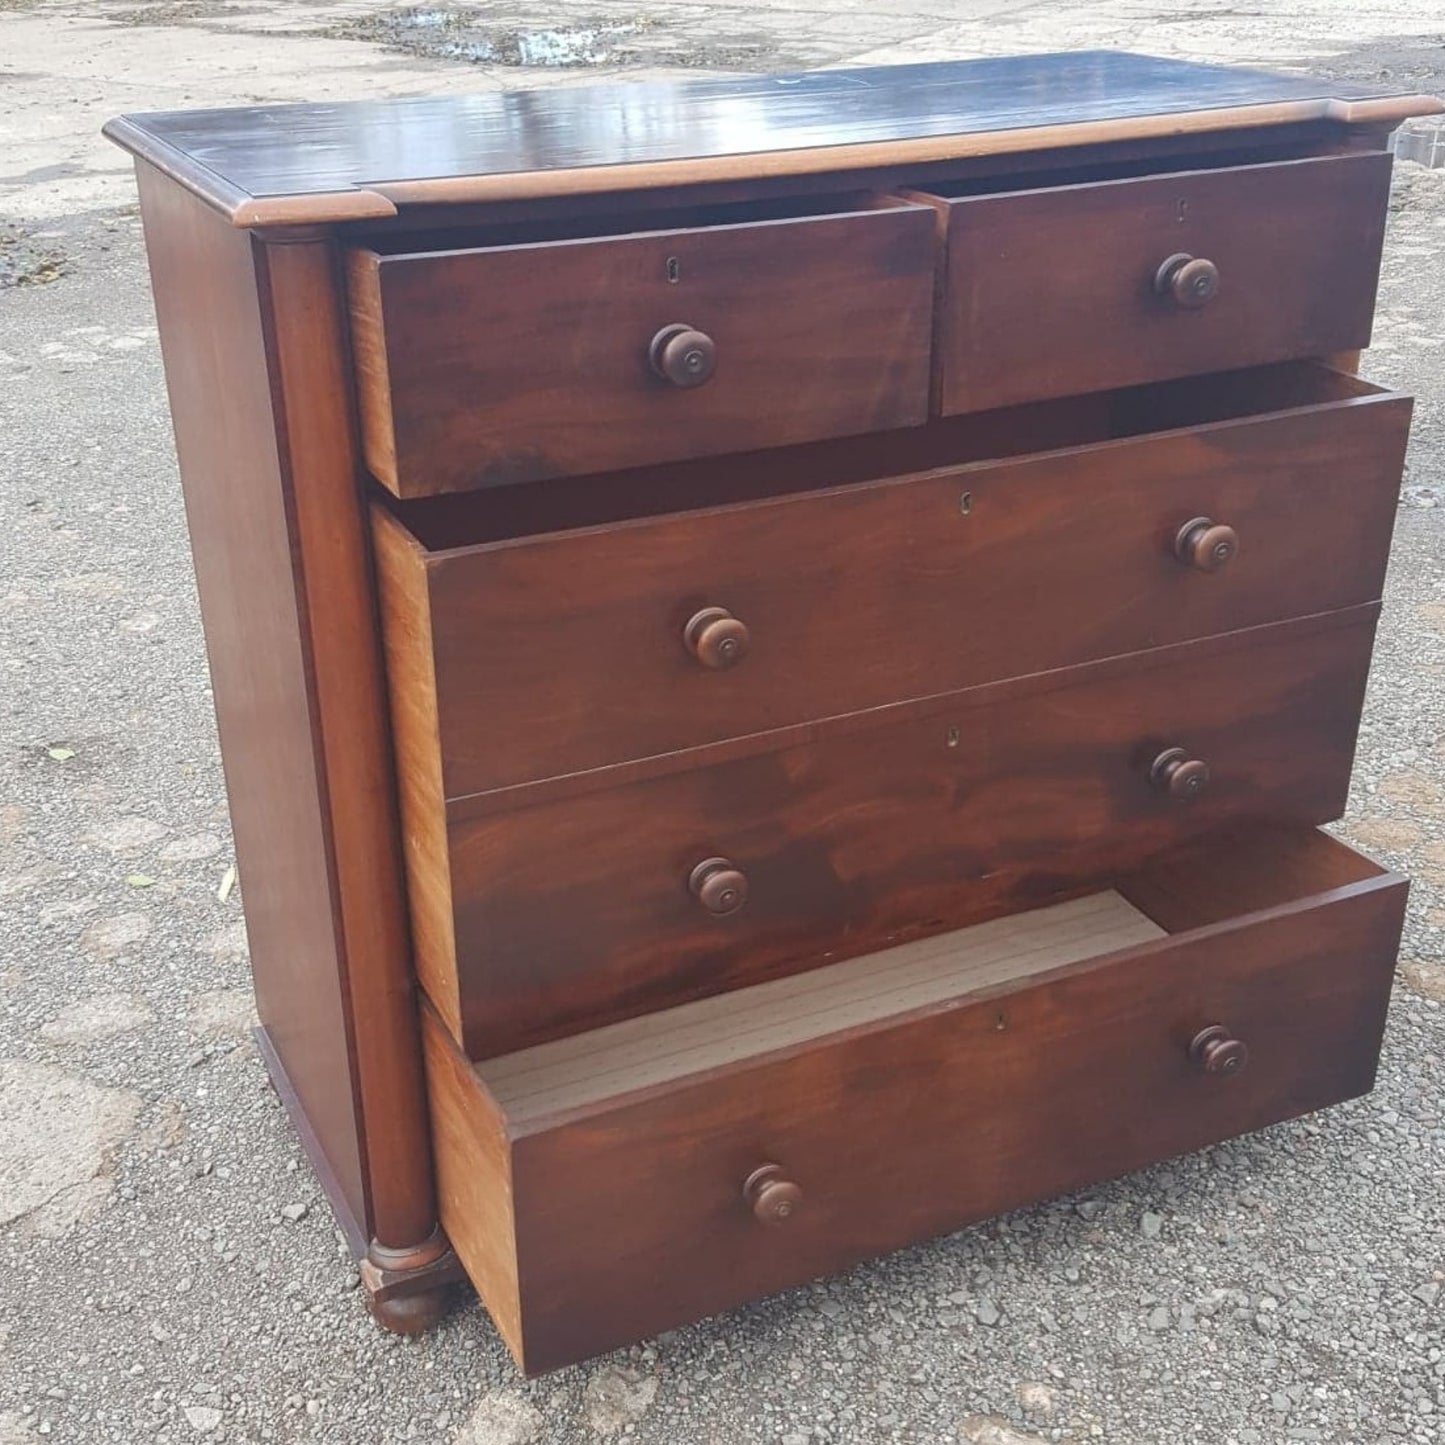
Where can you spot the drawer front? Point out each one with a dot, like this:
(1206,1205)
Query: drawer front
(562,654)
(631,1216)
(1060,291)
(478,368)
(572,912)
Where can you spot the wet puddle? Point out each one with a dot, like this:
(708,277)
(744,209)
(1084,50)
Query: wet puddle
(450,34)
(572,41)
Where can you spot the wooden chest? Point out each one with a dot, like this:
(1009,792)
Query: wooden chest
(781,648)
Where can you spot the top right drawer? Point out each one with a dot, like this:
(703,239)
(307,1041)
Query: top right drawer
(1089,287)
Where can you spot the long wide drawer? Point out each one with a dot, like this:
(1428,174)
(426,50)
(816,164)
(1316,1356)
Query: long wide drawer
(1081,287)
(509,363)
(1157,516)
(541,918)
(629,1180)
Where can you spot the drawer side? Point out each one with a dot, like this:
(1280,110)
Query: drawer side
(403,597)
(474,1178)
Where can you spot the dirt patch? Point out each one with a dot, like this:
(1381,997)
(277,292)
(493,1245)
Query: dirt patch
(1417,64)
(176,12)
(25,261)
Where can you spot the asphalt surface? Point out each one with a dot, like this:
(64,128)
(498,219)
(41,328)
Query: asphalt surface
(168,1270)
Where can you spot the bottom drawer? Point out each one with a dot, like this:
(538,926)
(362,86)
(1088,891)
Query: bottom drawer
(607,1186)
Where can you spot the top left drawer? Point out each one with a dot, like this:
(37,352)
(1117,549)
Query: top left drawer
(513,363)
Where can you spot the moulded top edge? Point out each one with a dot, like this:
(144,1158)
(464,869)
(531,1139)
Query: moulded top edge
(293,165)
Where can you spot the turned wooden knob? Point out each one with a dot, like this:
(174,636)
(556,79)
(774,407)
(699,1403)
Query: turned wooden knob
(1176,773)
(1188,281)
(1206,545)
(1213,1051)
(683,355)
(718,886)
(716,638)
(772,1196)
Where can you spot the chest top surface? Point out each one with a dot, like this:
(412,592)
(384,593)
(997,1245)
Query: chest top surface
(300,164)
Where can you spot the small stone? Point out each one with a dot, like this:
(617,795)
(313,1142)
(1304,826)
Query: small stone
(111,937)
(1159,1319)
(226,1012)
(1425,978)
(1090,1209)
(191,849)
(1151,1224)
(202,1417)
(1395,834)
(127,835)
(987,1312)
(617,1398)
(1412,787)
(1037,1399)
(502,1418)
(992,1430)
(1427,1293)
(105,1016)
(293,1212)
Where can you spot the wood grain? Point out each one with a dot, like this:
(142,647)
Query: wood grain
(317,430)
(406,633)
(576,912)
(254,346)
(520,362)
(287,165)
(215,343)
(474,1181)
(1050,292)
(629,1212)
(867,595)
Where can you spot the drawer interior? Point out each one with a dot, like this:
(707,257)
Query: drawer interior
(500,514)
(1218,881)
(1121,169)
(578,223)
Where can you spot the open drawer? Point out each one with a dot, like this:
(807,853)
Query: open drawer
(607,1186)
(1076,288)
(558,628)
(543,356)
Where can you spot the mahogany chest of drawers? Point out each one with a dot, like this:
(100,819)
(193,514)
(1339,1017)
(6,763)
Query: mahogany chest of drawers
(781,648)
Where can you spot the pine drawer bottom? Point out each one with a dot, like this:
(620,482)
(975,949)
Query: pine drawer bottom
(604,1187)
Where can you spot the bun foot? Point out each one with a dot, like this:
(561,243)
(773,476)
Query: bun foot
(410,1314)
(407,1289)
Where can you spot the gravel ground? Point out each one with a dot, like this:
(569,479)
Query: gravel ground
(169,1269)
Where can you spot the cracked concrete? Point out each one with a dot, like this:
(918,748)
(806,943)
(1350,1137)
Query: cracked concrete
(169,1269)
(57,1134)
